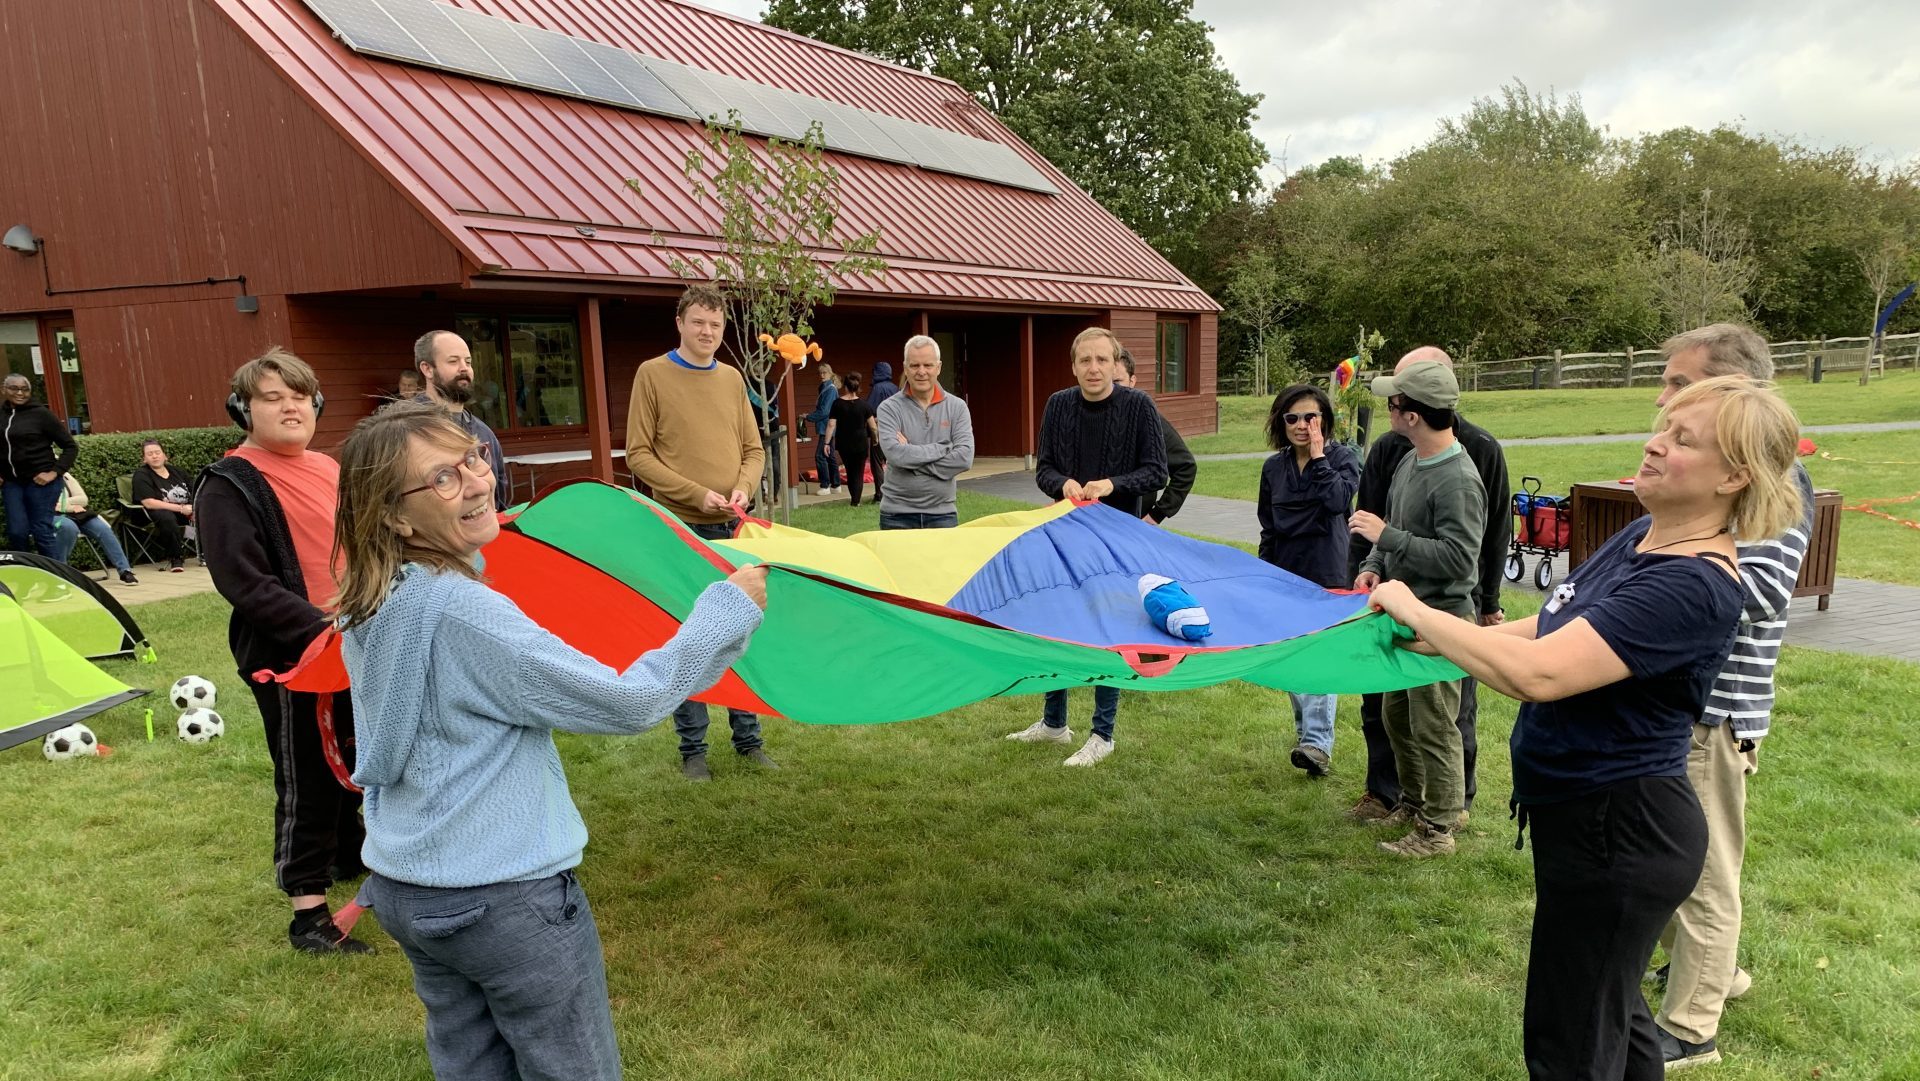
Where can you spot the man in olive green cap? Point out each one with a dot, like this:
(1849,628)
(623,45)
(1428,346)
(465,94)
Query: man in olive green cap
(1436,512)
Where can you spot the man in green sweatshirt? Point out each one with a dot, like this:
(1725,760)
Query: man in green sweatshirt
(1436,511)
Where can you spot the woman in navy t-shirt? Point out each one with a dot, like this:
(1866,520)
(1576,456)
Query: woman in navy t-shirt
(1613,673)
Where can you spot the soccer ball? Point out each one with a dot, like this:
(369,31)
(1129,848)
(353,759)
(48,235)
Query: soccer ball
(73,741)
(190,692)
(200,725)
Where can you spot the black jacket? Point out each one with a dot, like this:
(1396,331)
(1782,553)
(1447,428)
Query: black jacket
(28,434)
(1133,456)
(1181,470)
(1488,460)
(249,550)
(1303,514)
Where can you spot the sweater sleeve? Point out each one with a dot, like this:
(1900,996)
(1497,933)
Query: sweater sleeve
(1770,569)
(753,456)
(1457,524)
(957,456)
(1263,510)
(69,446)
(553,685)
(1498,532)
(1181,471)
(1150,475)
(1050,473)
(242,571)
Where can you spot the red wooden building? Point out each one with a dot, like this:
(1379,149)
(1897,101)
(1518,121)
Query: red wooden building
(200,178)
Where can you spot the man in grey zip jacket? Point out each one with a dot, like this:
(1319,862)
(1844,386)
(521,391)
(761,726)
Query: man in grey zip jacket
(928,438)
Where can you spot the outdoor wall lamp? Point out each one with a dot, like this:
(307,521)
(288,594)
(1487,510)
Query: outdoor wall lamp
(21,239)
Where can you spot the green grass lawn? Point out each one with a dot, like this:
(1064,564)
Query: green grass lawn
(926,900)
(1869,547)
(1525,414)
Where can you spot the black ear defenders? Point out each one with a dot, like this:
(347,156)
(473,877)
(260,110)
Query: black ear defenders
(242,412)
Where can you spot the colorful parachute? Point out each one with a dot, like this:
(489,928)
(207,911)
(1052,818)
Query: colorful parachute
(1012,604)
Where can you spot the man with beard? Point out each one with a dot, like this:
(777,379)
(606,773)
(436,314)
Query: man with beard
(446,364)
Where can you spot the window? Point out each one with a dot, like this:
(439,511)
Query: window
(526,370)
(1171,377)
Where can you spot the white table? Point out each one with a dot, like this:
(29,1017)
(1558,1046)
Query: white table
(533,462)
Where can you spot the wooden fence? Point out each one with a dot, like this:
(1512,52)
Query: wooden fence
(1641,367)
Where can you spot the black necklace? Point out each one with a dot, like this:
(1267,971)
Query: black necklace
(1684,540)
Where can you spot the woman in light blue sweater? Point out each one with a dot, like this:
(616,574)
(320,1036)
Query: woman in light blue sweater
(472,836)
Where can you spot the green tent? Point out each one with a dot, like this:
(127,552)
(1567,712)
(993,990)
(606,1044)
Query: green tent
(48,684)
(71,605)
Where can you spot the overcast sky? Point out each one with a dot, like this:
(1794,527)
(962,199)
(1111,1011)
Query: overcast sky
(1374,77)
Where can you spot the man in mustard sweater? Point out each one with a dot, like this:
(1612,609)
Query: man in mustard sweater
(691,440)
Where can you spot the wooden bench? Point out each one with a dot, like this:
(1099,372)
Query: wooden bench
(1603,508)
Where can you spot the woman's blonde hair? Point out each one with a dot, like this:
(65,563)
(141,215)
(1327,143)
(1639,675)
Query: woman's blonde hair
(1759,435)
(826,374)
(374,470)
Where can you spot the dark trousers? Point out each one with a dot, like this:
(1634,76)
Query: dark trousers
(824,462)
(878,459)
(1609,869)
(316,820)
(918,521)
(30,509)
(169,530)
(854,455)
(1383,779)
(690,717)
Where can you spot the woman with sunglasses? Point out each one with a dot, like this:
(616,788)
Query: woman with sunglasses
(472,836)
(1613,673)
(1305,492)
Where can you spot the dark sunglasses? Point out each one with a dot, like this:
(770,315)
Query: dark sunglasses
(1296,418)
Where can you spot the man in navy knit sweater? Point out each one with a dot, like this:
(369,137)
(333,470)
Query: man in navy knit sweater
(1098,440)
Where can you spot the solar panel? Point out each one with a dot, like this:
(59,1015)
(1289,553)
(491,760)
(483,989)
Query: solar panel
(502,39)
(428,23)
(366,27)
(439,35)
(648,90)
(756,104)
(580,69)
(691,86)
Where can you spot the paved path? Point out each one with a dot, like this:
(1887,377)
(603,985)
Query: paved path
(1870,618)
(1628,437)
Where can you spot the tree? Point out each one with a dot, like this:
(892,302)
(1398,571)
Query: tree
(1259,298)
(1127,97)
(1884,263)
(782,248)
(1704,270)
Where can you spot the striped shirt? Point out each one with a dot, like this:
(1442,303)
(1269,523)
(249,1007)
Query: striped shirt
(1743,692)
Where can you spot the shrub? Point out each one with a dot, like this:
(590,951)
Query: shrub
(106,457)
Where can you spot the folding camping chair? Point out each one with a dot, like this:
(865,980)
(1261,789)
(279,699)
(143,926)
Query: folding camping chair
(135,529)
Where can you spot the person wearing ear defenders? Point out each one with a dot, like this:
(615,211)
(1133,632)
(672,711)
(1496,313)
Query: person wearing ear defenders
(266,519)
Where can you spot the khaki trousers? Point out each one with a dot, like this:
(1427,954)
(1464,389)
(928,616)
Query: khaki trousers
(1703,936)
(1420,724)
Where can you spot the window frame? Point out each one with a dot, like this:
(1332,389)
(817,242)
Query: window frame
(502,322)
(1162,324)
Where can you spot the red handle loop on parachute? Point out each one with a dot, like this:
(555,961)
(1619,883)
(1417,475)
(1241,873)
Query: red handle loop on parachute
(330,745)
(1159,666)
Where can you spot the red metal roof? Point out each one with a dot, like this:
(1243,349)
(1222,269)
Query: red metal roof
(507,172)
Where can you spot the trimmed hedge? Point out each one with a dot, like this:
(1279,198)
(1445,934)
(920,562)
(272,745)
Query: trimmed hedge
(106,457)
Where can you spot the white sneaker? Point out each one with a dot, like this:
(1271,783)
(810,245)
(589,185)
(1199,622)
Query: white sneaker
(1090,752)
(1038,732)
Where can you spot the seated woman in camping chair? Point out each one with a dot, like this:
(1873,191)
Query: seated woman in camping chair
(164,493)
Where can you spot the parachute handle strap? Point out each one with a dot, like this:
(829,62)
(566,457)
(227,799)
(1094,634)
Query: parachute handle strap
(1150,664)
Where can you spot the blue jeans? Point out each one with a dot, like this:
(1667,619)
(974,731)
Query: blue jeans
(1106,707)
(67,534)
(30,513)
(824,460)
(511,974)
(690,717)
(918,521)
(1313,718)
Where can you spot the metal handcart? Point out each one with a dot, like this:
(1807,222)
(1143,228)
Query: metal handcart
(1542,525)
